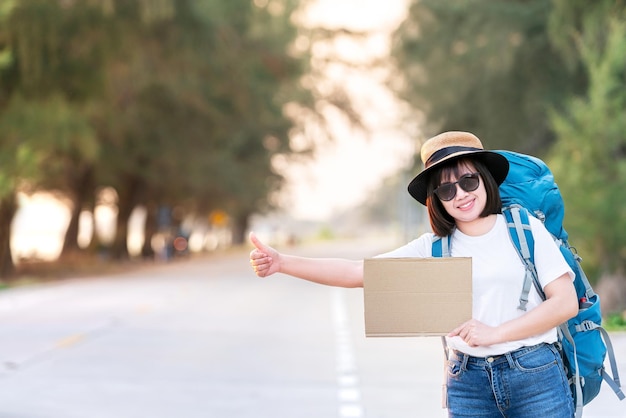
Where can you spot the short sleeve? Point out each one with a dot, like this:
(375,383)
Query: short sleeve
(549,261)
(420,247)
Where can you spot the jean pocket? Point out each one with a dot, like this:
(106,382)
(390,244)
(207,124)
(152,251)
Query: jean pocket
(454,367)
(536,361)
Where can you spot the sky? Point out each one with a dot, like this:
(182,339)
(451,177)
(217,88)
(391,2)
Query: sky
(345,171)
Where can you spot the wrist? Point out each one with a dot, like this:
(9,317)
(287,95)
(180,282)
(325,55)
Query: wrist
(501,334)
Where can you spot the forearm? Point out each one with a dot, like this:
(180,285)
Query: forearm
(546,316)
(328,271)
(560,306)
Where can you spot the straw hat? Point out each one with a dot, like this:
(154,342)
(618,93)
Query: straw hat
(450,146)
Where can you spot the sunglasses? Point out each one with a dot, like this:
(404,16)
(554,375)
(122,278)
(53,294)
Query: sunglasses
(467,182)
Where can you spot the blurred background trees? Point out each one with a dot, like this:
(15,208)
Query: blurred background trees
(181,107)
(590,154)
(546,77)
(173,104)
(487,66)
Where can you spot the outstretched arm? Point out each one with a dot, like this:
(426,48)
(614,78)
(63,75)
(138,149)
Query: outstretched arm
(340,272)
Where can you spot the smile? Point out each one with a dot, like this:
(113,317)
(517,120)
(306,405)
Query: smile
(466,205)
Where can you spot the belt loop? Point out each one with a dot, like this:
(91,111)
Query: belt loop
(464,362)
(509,359)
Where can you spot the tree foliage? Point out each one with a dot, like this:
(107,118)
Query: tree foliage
(545,77)
(484,66)
(589,157)
(171,103)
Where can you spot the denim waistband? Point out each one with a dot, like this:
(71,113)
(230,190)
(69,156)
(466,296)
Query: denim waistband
(500,358)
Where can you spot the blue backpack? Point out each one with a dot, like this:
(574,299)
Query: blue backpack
(530,189)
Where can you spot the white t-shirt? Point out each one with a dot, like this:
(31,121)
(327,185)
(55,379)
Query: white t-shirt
(498,276)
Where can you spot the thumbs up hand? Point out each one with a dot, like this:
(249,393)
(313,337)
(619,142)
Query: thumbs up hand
(264,259)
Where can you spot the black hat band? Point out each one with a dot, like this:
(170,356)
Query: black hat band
(444,152)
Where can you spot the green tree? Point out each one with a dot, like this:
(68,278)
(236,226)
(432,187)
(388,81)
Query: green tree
(172,103)
(193,97)
(485,66)
(42,142)
(589,157)
(261,74)
(50,61)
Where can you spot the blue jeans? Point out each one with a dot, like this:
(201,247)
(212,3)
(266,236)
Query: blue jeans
(525,383)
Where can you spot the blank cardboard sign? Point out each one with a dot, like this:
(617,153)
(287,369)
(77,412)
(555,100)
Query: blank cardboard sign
(407,297)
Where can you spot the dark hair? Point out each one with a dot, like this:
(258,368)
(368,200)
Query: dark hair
(441,222)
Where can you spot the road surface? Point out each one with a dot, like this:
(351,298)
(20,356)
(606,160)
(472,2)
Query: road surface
(206,338)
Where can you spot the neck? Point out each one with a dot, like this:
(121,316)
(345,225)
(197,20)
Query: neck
(477,227)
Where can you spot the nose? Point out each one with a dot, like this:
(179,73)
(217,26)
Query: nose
(460,192)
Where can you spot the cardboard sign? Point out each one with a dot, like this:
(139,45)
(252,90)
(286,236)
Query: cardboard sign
(407,297)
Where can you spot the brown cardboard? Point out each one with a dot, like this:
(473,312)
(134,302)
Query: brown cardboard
(407,297)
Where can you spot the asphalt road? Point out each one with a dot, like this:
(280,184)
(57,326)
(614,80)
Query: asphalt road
(207,338)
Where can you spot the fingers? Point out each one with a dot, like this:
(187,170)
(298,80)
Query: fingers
(460,331)
(476,334)
(257,242)
(468,332)
(260,262)
(259,269)
(260,259)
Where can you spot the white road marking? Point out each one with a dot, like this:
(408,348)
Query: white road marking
(349,393)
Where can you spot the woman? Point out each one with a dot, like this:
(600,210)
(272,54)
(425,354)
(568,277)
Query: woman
(503,361)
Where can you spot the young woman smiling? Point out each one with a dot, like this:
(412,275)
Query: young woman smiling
(502,361)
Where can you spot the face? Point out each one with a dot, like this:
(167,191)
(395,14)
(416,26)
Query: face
(467,205)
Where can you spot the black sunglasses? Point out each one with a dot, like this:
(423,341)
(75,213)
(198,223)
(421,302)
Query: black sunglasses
(467,182)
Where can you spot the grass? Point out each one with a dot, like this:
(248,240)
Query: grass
(75,266)
(615,322)
(81,265)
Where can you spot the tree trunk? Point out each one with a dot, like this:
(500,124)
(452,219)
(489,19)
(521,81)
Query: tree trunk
(125,205)
(82,192)
(150,229)
(240,226)
(8,208)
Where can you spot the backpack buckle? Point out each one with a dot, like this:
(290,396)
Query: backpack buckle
(586,326)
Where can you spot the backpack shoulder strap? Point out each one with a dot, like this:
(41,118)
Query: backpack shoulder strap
(521,235)
(441,246)
(614,381)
